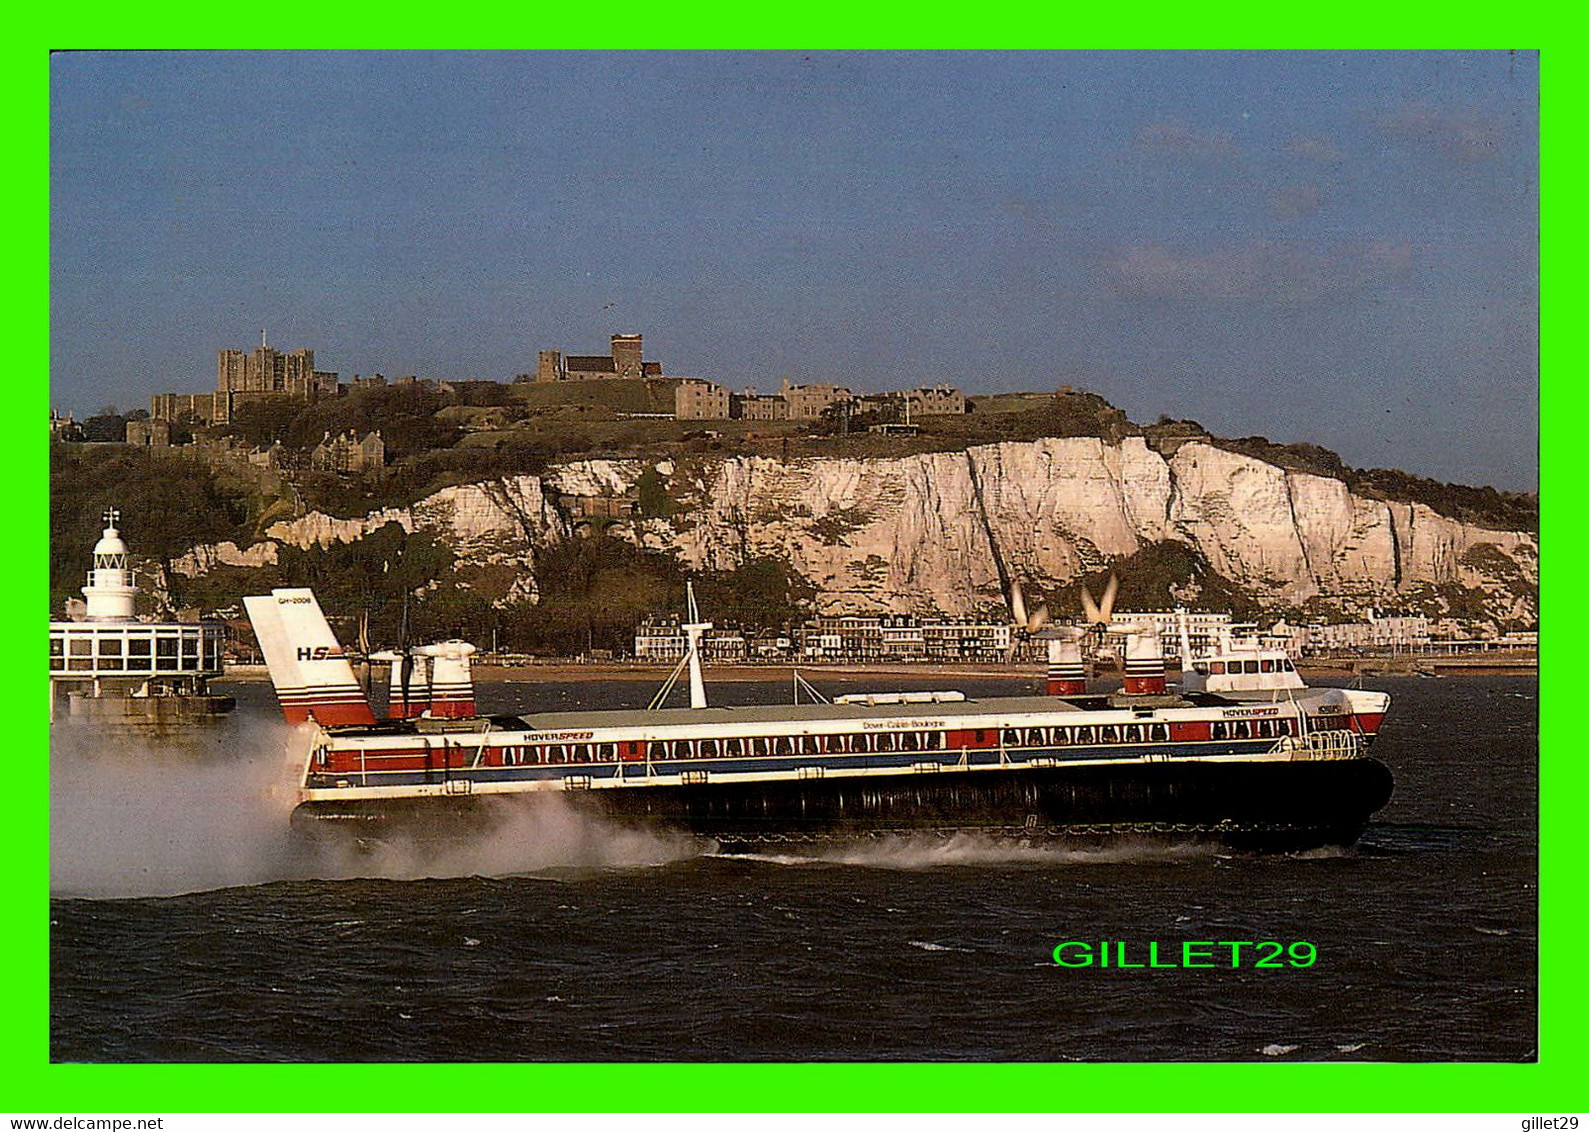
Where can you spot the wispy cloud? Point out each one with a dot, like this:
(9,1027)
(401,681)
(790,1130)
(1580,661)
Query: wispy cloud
(1262,272)
(1322,150)
(1180,138)
(1295,201)
(1461,135)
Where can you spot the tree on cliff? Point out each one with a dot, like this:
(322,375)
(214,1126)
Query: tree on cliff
(764,593)
(163,514)
(593,592)
(370,576)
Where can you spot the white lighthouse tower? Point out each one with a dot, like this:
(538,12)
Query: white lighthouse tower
(111,667)
(110,590)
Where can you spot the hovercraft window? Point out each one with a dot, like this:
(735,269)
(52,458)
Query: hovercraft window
(708,748)
(782,746)
(1249,666)
(733,747)
(657,750)
(1217,668)
(1266,666)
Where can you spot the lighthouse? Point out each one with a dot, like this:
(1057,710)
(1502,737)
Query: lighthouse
(110,590)
(108,665)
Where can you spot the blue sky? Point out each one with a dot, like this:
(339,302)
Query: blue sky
(1336,248)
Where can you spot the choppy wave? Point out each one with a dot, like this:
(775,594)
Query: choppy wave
(930,851)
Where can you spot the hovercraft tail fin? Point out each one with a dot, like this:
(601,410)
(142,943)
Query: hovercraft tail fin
(311,674)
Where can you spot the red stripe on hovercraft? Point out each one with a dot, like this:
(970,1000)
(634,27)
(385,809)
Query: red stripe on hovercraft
(329,714)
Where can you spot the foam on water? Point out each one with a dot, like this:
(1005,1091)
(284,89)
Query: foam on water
(928,851)
(541,835)
(135,815)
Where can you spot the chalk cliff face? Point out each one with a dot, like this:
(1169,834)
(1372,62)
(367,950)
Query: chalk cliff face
(498,523)
(926,532)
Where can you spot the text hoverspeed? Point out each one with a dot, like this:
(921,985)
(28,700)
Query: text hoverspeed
(1227,954)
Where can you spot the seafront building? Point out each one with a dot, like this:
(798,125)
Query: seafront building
(842,638)
(661,639)
(1205,631)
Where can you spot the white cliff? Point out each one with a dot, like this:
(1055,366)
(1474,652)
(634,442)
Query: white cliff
(203,559)
(479,518)
(928,532)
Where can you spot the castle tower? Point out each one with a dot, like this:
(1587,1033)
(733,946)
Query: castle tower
(265,371)
(298,373)
(548,365)
(110,591)
(626,356)
(230,366)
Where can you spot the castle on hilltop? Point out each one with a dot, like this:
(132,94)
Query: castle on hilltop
(243,377)
(623,364)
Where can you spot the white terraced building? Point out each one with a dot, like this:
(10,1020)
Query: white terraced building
(1204,630)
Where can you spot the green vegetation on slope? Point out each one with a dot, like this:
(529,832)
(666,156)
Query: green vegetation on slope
(170,505)
(1161,575)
